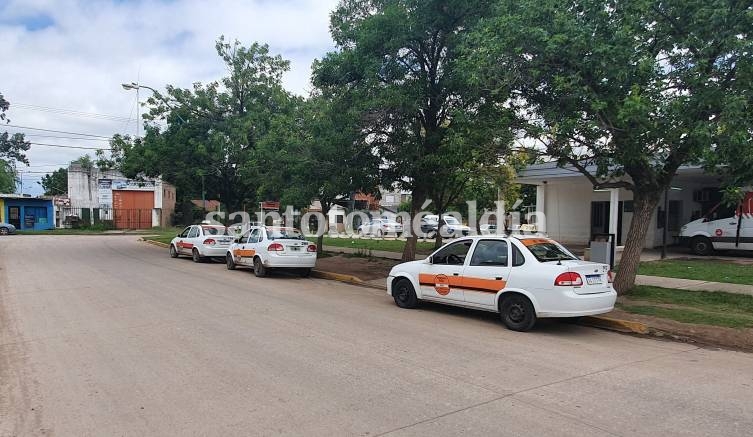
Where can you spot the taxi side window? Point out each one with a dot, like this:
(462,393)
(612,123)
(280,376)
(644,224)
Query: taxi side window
(490,253)
(453,254)
(253,237)
(517,257)
(185,232)
(194,232)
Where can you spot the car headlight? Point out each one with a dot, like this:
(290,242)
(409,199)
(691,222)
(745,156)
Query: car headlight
(450,230)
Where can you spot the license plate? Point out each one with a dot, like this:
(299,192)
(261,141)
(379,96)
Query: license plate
(295,248)
(593,279)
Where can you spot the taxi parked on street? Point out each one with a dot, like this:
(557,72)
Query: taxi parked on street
(521,277)
(272,247)
(201,242)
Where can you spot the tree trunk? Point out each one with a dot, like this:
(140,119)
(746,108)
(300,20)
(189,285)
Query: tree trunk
(438,237)
(417,201)
(320,239)
(644,206)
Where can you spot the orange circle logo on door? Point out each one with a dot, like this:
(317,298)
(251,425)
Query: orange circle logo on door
(442,284)
(719,232)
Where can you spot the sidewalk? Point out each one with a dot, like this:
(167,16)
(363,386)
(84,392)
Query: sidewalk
(692,284)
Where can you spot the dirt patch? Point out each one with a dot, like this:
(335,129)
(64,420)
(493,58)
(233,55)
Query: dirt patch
(364,268)
(731,338)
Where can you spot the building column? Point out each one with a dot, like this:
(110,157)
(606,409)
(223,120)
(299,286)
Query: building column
(614,207)
(541,198)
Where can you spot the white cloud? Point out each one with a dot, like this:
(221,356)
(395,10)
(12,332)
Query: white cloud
(75,55)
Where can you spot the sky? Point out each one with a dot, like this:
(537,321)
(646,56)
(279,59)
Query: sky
(63,62)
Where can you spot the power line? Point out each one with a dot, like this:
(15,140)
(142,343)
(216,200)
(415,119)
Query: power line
(64,138)
(58,131)
(69,147)
(70,112)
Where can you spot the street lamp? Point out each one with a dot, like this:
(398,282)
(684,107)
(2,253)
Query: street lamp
(137,87)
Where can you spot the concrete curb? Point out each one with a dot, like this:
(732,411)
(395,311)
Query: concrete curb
(349,279)
(615,324)
(156,243)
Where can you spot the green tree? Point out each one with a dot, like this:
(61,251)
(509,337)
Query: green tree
(8,178)
(626,92)
(55,183)
(317,152)
(213,130)
(397,62)
(13,148)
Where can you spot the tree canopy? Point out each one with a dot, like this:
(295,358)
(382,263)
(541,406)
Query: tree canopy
(13,148)
(397,62)
(632,89)
(55,183)
(213,130)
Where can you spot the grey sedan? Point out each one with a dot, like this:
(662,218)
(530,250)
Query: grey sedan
(7,228)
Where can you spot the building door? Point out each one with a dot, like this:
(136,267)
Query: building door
(14,216)
(132,209)
(600,219)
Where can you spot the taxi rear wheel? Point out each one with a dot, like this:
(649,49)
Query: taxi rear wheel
(230,262)
(173,252)
(259,270)
(404,294)
(4,231)
(517,312)
(196,256)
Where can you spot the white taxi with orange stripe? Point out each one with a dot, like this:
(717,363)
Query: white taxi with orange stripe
(201,242)
(272,247)
(521,277)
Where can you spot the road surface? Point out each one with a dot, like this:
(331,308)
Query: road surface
(108,336)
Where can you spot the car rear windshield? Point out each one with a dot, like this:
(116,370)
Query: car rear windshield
(284,234)
(214,230)
(547,250)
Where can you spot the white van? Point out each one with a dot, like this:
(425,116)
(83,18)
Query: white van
(714,233)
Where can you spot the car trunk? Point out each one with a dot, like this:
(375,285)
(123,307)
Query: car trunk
(292,247)
(595,276)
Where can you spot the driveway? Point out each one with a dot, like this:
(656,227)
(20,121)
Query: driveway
(108,336)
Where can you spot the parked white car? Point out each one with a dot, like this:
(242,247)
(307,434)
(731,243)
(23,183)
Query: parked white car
(381,227)
(201,242)
(449,227)
(522,278)
(272,247)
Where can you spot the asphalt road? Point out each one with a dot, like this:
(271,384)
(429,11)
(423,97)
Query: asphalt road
(109,336)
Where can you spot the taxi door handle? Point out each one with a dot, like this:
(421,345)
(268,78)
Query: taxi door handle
(456,274)
(498,278)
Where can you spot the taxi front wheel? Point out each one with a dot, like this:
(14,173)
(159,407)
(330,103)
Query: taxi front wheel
(517,312)
(230,262)
(404,294)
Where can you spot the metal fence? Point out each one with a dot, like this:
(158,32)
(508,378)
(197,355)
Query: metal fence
(106,218)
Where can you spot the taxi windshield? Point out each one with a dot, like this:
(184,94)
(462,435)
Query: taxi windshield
(546,250)
(214,230)
(284,234)
(451,220)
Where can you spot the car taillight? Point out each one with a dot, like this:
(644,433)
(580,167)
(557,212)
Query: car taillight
(209,242)
(275,247)
(311,248)
(610,276)
(568,279)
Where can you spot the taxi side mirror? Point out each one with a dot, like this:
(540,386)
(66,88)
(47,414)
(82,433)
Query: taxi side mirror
(430,259)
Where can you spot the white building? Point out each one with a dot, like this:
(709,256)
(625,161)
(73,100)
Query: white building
(574,212)
(107,196)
